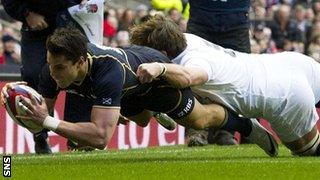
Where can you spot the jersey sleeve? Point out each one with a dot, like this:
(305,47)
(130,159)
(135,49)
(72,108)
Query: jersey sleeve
(47,86)
(16,9)
(108,82)
(200,63)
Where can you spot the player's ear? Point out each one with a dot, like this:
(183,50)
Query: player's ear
(82,60)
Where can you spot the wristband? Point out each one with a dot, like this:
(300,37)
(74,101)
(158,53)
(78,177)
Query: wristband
(163,71)
(51,123)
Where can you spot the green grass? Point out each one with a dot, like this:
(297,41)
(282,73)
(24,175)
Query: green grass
(175,162)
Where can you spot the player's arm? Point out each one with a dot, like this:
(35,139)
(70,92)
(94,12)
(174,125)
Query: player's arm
(19,11)
(16,9)
(96,133)
(177,75)
(104,115)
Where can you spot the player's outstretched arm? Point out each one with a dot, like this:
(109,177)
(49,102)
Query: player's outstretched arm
(182,77)
(176,75)
(96,133)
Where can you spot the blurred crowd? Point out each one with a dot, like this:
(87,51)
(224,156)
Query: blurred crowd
(276,25)
(285,26)
(9,41)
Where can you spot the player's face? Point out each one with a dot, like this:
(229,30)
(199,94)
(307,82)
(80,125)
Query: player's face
(64,72)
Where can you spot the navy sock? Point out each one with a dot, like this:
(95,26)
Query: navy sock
(236,123)
(41,135)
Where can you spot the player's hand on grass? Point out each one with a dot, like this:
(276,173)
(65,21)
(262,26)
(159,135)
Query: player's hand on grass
(8,86)
(147,72)
(36,110)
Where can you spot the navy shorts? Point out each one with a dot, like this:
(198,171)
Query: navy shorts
(177,103)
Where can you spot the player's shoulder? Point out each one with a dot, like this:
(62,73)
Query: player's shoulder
(145,53)
(105,52)
(106,70)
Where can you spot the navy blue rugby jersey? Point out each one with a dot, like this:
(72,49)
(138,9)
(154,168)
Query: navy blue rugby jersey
(230,6)
(111,74)
(219,15)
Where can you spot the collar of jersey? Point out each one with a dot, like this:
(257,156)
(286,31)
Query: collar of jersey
(90,61)
(89,58)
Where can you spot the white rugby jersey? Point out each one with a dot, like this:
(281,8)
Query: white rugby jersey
(253,85)
(90,18)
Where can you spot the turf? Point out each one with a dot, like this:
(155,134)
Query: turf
(175,162)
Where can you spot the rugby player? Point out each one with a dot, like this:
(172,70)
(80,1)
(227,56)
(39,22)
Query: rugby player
(107,77)
(282,88)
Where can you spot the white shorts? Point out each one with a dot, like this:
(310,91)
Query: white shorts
(296,115)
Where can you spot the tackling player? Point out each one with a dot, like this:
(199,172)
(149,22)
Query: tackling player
(282,88)
(106,76)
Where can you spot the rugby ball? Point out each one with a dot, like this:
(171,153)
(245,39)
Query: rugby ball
(14,108)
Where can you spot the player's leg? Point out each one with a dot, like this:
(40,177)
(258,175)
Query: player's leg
(183,107)
(132,109)
(307,145)
(189,112)
(217,117)
(296,122)
(308,141)
(33,55)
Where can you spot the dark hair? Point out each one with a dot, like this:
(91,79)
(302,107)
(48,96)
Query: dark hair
(69,43)
(159,33)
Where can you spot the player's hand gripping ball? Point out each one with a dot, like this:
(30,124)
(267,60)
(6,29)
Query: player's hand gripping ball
(15,107)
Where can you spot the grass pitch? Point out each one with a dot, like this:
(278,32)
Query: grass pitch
(174,162)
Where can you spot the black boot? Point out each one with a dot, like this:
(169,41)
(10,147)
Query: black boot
(41,142)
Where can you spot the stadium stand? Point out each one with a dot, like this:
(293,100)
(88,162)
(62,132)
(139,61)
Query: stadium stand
(302,15)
